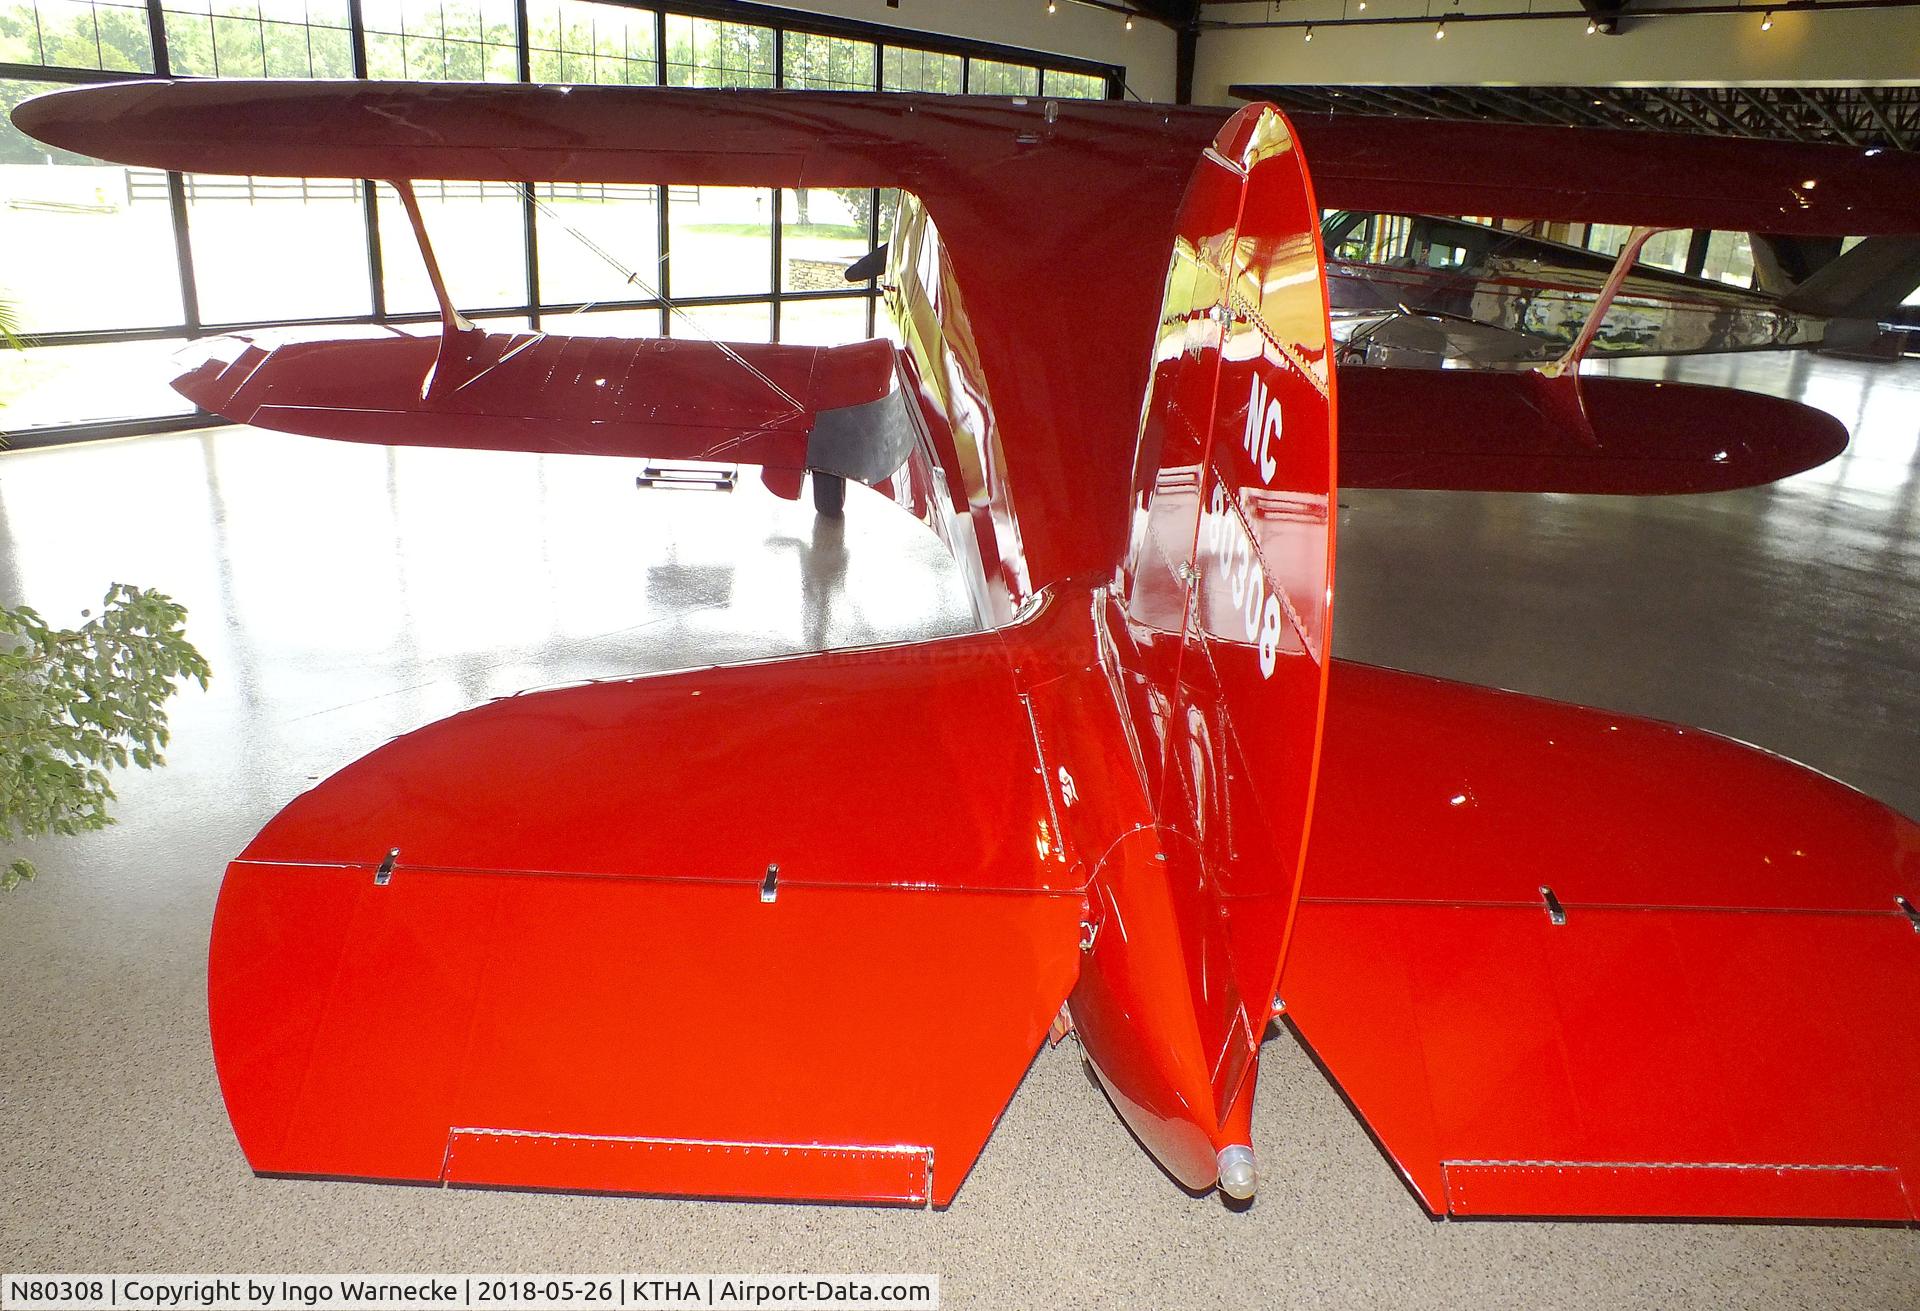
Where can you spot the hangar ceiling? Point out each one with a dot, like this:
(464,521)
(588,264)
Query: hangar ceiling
(1888,117)
(1174,13)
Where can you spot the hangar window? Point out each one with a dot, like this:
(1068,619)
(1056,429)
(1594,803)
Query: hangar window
(823,322)
(479,237)
(1729,259)
(823,230)
(811,62)
(1607,238)
(304,38)
(441,40)
(749,321)
(906,69)
(990,77)
(1370,238)
(712,52)
(1667,250)
(109,35)
(137,261)
(98,383)
(598,243)
(580,41)
(103,236)
(273,248)
(1072,86)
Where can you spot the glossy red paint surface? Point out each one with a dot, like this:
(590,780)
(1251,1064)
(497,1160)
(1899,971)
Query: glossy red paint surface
(1599,175)
(964,446)
(549,769)
(573,942)
(1714,1030)
(671,399)
(1220,639)
(574,973)
(1459,430)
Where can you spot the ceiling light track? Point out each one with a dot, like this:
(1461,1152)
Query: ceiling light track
(1768,16)
(1127,12)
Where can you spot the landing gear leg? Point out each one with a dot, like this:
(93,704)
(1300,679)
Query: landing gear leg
(829,494)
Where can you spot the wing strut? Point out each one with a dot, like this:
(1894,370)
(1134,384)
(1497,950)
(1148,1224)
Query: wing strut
(450,318)
(459,361)
(1559,385)
(1622,265)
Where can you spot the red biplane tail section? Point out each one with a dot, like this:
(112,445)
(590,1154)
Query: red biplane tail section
(794,929)
(1567,962)
(709,933)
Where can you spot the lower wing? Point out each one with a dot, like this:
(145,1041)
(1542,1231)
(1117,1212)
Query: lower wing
(837,409)
(1462,430)
(1567,962)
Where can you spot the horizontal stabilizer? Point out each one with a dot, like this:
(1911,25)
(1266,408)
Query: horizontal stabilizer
(1568,962)
(1468,430)
(704,933)
(834,408)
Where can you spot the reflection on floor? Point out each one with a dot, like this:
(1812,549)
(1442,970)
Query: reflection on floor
(1784,615)
(347,594)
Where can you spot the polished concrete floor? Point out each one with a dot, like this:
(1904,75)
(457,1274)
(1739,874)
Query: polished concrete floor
(347,594)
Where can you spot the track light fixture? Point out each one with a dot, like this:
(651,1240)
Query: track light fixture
(1309,31)
(1766,22)
(1440,32)
(1592,27)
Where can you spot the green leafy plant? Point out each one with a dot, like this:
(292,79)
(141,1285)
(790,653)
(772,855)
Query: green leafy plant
(10,339)
(75,703)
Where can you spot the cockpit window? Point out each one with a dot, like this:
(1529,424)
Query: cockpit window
(1347,234)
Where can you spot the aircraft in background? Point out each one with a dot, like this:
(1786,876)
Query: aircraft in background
(1420,290)
(794,928)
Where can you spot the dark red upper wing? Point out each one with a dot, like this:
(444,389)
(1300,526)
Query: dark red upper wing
(1601,175)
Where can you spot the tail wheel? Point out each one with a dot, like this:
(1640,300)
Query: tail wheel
(829,494)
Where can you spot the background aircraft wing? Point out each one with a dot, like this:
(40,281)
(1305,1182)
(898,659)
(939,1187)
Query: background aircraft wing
(1597,965)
